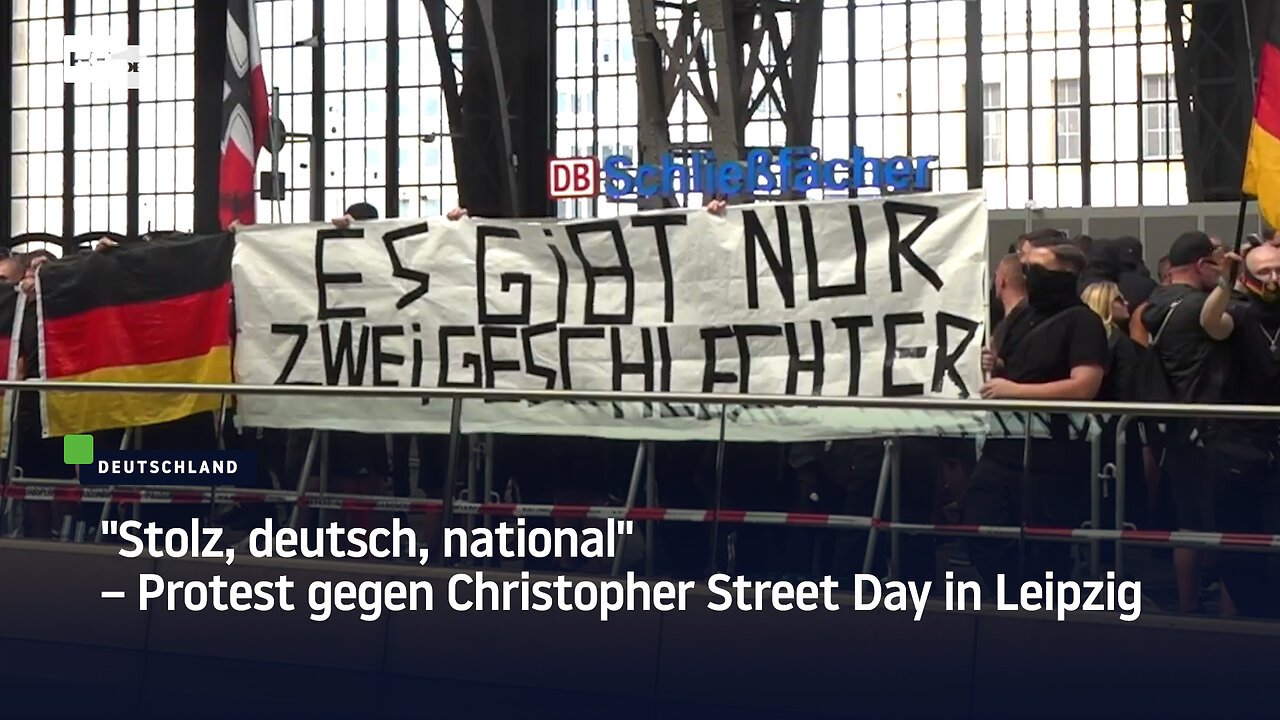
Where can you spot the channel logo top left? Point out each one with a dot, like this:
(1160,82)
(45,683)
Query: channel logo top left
(103,60)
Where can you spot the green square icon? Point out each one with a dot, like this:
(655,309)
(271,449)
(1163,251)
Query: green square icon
(77,449)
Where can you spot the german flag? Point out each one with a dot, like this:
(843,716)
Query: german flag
(11,306)
(1262,163)
(156,312)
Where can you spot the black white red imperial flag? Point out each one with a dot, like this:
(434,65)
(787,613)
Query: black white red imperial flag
(245,115)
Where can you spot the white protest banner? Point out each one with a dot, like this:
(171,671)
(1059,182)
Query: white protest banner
(868,297)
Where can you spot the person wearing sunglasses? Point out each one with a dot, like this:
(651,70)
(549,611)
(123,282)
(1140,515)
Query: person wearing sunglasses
(1242,455)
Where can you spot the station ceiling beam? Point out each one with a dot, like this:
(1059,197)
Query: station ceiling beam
(715,55)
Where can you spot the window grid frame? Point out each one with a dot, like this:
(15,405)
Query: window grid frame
(1067,113)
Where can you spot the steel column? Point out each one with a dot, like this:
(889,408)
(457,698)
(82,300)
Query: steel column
(68,141)
(725,108)
(392,152)
(973,110)
(655,106)
(318,210)
(477,105)
(1086,111)
(6,129)
(1214,85)
(131,171)
(210,55)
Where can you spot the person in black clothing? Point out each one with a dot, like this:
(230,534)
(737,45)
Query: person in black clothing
(1242,454)
(1055,349)
(1107,302)
(1118,385)
(1009,295)
(1043,237)
(1120,261)
(1196,368)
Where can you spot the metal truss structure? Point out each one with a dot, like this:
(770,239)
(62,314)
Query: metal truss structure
(476,101)
(715,56)
(1215,78)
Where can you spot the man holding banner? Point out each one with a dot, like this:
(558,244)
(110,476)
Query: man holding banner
(1054,349)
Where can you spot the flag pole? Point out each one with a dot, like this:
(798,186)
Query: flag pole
(1253,87)
(1244,206)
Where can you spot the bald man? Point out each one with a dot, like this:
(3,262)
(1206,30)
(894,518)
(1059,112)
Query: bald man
(1240,452)
(1010,295)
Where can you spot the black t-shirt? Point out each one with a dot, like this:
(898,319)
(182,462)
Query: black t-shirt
(1255,373)
(1196,365)
(1041,348)
(1122,366)
(1001,329)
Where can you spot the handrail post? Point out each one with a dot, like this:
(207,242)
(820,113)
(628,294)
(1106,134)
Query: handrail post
(487,490)
(877,509)
(895,510)
(473,452)
(1095,492)
(11,471)
(633,489)
(323,514)
(1122,428)
(1025,500)
(719,492)
(651,500)
(303,477)
(451,469)
(106,506)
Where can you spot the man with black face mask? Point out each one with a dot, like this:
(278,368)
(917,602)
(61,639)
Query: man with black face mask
(1055,348)
(1242,455)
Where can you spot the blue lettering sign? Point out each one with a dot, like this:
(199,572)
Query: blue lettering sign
(795,169)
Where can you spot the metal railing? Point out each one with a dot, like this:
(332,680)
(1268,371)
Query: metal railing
(1252,412)
(888,488)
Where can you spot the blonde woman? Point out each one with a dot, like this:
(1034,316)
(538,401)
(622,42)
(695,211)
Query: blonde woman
(1105,300)
(1120,384)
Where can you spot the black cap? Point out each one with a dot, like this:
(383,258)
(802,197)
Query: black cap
(363,211)
(1136,289)
(1189,248)
(1130,249)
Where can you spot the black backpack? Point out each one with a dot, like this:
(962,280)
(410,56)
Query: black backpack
(1152,385)
(1153,381)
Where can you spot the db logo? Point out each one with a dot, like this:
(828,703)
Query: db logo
(573,177)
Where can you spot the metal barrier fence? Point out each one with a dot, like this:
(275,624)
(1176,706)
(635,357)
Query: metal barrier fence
(888,489)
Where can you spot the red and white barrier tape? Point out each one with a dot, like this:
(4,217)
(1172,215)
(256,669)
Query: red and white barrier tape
(333,501)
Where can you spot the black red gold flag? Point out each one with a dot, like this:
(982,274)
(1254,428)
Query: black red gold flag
(1262,162)
(156,312)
